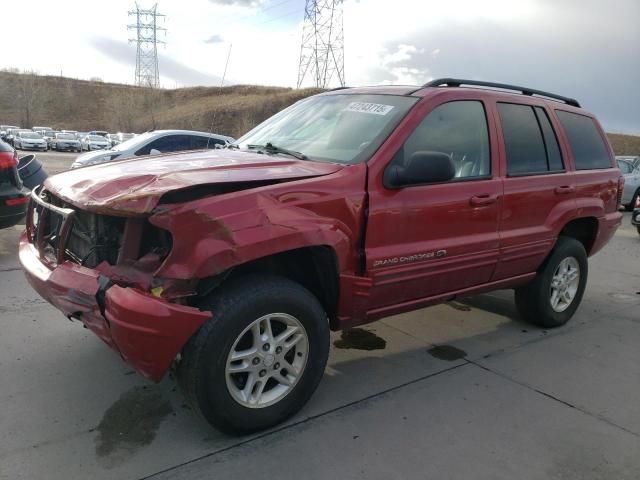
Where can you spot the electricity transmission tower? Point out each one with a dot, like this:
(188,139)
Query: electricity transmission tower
(322,51)
(147,74)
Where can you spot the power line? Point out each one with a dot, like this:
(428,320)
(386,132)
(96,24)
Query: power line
(146,28)
(322,49)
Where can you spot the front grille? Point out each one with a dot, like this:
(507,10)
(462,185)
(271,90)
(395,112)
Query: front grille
(62,232)
(87,238)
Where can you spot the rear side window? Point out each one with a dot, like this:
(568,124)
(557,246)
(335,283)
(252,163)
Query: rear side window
(587,145)
(530,142)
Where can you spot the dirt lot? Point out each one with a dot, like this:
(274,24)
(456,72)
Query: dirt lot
(462,390)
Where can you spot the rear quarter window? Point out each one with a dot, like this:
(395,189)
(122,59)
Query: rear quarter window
(588,147)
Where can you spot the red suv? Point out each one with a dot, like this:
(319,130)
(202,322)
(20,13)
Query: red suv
(349,206)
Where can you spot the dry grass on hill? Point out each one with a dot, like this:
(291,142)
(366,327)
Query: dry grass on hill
(66,103)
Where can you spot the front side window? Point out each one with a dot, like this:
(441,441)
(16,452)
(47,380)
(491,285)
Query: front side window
(587,145)
(341,128)
(457,129)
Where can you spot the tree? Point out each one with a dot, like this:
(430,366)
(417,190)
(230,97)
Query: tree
(29,96)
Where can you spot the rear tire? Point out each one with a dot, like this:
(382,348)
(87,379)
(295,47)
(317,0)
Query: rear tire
(553,296)
(632,204)
(282,377)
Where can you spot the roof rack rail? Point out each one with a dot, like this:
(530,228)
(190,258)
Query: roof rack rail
(457,82)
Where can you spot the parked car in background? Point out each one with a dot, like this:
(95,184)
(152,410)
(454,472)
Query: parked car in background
(65,142)
(630,169)
(633,159)
(158,141)
(118,138)
(11,134)
(81,135)
(28,140)
(353,205)
(635,216)
(94,142)
(5,128)
(13,196)
(49,135)
(114,139)
(41,129)
(102,133)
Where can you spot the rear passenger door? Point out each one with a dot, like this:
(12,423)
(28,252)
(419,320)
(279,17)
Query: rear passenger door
(538,188)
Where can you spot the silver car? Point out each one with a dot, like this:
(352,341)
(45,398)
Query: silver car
(29,141)
(95,142)
(65,142)
(153,143)
(630,168)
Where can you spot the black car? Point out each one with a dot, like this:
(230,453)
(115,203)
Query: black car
(14,198)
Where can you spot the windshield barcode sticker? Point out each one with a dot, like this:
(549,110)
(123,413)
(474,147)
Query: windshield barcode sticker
(374,108)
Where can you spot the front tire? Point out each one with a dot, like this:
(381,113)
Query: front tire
(554,295)
(260,357)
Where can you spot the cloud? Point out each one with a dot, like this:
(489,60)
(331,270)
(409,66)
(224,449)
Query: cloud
(214,39)
(583,49)
(126,54)
(240,3)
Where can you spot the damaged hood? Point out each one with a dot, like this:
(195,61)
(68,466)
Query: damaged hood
(134,186)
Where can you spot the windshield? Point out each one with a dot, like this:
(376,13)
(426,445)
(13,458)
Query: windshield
(29,135)
(135,142)
(96,138)
(334,128)
(65,136)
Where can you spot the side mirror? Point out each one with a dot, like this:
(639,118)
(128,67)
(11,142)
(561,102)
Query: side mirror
(153,151)
(422,167)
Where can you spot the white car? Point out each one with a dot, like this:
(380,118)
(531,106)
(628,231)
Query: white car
(153,143)
(65,142)
(95,142)
(25,140)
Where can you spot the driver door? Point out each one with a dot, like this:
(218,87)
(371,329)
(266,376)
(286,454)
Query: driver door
(428,239)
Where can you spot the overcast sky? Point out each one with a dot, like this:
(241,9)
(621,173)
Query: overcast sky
(587,49)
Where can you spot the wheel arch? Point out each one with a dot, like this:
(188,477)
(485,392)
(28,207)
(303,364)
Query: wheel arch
(314,267)
(583,229)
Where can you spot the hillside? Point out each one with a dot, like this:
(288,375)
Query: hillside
(66,103)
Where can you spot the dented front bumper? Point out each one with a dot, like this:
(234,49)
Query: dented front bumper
(147,332)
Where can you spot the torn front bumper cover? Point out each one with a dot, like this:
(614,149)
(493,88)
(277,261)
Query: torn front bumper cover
(148,332)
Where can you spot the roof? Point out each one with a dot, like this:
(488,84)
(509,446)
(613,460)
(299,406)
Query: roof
(455,83)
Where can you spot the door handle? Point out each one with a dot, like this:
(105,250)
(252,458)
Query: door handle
(564,189)
(480,200)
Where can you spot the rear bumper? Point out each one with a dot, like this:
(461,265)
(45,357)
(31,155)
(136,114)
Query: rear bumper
(146,331)
(607,227)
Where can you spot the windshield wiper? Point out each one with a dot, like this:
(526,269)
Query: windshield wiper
(271,148)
